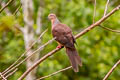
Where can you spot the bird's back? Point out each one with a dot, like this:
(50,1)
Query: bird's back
(63,34)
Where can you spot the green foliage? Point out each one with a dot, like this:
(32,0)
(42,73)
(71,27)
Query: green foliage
(6,22)
(99,49)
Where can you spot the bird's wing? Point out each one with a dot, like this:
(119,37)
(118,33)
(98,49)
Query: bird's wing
(63,35)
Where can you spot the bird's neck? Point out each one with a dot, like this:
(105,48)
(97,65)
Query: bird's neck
(55,22)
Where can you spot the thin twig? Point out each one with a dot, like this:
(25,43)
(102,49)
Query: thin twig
(2,76)
(55,73)
(17,9)
(77,36)
(11,73)
(106,28)
(111,70)
(9,68)
(38,62)
(17,26)
(10,1)
(98,22)
(106,7)
(94,12)
(29,56)
(6,10)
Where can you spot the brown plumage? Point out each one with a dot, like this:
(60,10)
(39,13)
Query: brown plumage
(65,38)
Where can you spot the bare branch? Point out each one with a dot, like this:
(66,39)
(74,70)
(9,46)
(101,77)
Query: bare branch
(6,10)
(106,7)
(12,67)
(29,56)
(77,36)
(38,62)
(1,76)
(94,12)
(11,73)
(17,9)
(10,1)
(17,26)
(109,29)
(111,70)
(55,73)
(98,22)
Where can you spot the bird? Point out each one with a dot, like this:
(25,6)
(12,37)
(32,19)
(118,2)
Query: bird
(63,35)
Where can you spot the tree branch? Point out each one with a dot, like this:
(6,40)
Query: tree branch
(29,56)
(11,73)
(106,7)
(1,76)
(111,70)
(17,26)
(10,1)
(98,22)
(55,73)
(77,36)
(6,10)
(12,67)
(17,9)
(109,29)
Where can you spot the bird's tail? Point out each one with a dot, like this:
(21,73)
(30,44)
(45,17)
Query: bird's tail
(75,59)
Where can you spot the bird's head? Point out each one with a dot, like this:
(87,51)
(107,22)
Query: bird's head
(52,17)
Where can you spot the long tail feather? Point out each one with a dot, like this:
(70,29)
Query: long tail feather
(75,59)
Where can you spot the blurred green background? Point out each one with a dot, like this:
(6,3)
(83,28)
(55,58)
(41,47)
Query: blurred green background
(99,49)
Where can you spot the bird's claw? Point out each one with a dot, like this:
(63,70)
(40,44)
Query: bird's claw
(60,46)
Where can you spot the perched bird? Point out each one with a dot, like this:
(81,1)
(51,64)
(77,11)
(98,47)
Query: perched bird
(63,35)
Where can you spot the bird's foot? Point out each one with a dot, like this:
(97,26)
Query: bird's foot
(60,46)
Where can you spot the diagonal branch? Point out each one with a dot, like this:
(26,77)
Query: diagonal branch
(1,76)
(6,10)
(98,22)
(11,73)
(106,7)
(17,9)
(77,36)
(10,1)
(39,61)
(29,56)
(111,70)
(106,28)
(13,65)
(55,73)
(17,26)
